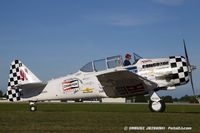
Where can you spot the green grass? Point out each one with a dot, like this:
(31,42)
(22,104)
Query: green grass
(94,118)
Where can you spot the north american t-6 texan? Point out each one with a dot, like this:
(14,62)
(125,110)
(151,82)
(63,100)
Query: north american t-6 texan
(108,77)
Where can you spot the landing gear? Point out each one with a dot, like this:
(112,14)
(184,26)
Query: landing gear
(156,104)
(33,107)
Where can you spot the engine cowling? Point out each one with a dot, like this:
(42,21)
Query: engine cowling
(180,72)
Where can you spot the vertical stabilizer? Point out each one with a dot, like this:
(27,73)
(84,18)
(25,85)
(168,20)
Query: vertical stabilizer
(19,75)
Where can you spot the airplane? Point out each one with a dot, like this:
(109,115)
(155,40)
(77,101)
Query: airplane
(104,78)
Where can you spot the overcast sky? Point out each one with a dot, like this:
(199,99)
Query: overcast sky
(57,37)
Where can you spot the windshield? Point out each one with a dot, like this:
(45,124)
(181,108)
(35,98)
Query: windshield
(88,67)
(136,57)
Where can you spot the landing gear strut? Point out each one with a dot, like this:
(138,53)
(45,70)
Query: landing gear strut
(33,107)
(156,104)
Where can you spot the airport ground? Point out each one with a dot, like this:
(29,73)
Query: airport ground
(97,118)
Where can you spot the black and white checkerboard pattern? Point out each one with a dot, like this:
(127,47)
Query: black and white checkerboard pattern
(13,93)
(180,73)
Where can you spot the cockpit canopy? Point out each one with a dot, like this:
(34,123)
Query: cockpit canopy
(107,63)
(103,64)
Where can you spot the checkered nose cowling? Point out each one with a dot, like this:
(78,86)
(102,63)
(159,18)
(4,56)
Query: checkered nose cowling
(13,93)
(180,73)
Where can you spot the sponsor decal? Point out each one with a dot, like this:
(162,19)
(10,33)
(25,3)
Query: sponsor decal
(146,61)
(158,64)
(88,90)
(89,83)
(70,85)
(23,75)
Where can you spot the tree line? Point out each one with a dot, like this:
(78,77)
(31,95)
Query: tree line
(2,95)
(167,99)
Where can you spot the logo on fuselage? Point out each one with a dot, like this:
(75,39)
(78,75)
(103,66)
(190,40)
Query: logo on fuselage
(88,90)
(70,86)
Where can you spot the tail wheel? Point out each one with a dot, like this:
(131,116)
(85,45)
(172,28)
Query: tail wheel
(157,106)
(33,108)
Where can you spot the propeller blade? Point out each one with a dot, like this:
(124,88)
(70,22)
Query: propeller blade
(190,68)
(191,80)
(186,54)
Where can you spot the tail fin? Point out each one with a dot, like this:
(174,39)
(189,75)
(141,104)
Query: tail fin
(19,75)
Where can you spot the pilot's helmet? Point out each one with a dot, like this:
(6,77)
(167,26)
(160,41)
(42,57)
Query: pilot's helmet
(128,56)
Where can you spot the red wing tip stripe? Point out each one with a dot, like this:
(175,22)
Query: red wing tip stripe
(135,87)
(134,91)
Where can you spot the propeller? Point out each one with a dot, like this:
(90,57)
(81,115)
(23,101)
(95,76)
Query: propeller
(190,69)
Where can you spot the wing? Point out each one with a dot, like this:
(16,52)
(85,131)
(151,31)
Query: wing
(124,83)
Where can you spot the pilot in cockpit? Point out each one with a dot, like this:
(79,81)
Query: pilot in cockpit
(127,60)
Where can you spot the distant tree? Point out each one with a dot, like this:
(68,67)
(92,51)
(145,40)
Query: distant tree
(193,100)
(1,93)
(175,100)
(185,98)
(140,99)
(168,99)
(5,95)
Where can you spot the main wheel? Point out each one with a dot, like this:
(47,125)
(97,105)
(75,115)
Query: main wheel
(157,106)
(33,108)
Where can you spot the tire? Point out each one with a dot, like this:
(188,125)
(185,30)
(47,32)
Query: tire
(33,108)
(157,106)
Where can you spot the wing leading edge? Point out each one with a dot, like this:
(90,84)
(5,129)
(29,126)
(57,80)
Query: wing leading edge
(124,83)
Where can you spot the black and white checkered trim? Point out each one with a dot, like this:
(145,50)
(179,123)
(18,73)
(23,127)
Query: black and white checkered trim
(180,73)
(13,93)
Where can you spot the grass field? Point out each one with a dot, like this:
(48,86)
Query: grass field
(94,118)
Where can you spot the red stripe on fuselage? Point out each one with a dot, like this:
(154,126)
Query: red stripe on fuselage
(136,88)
